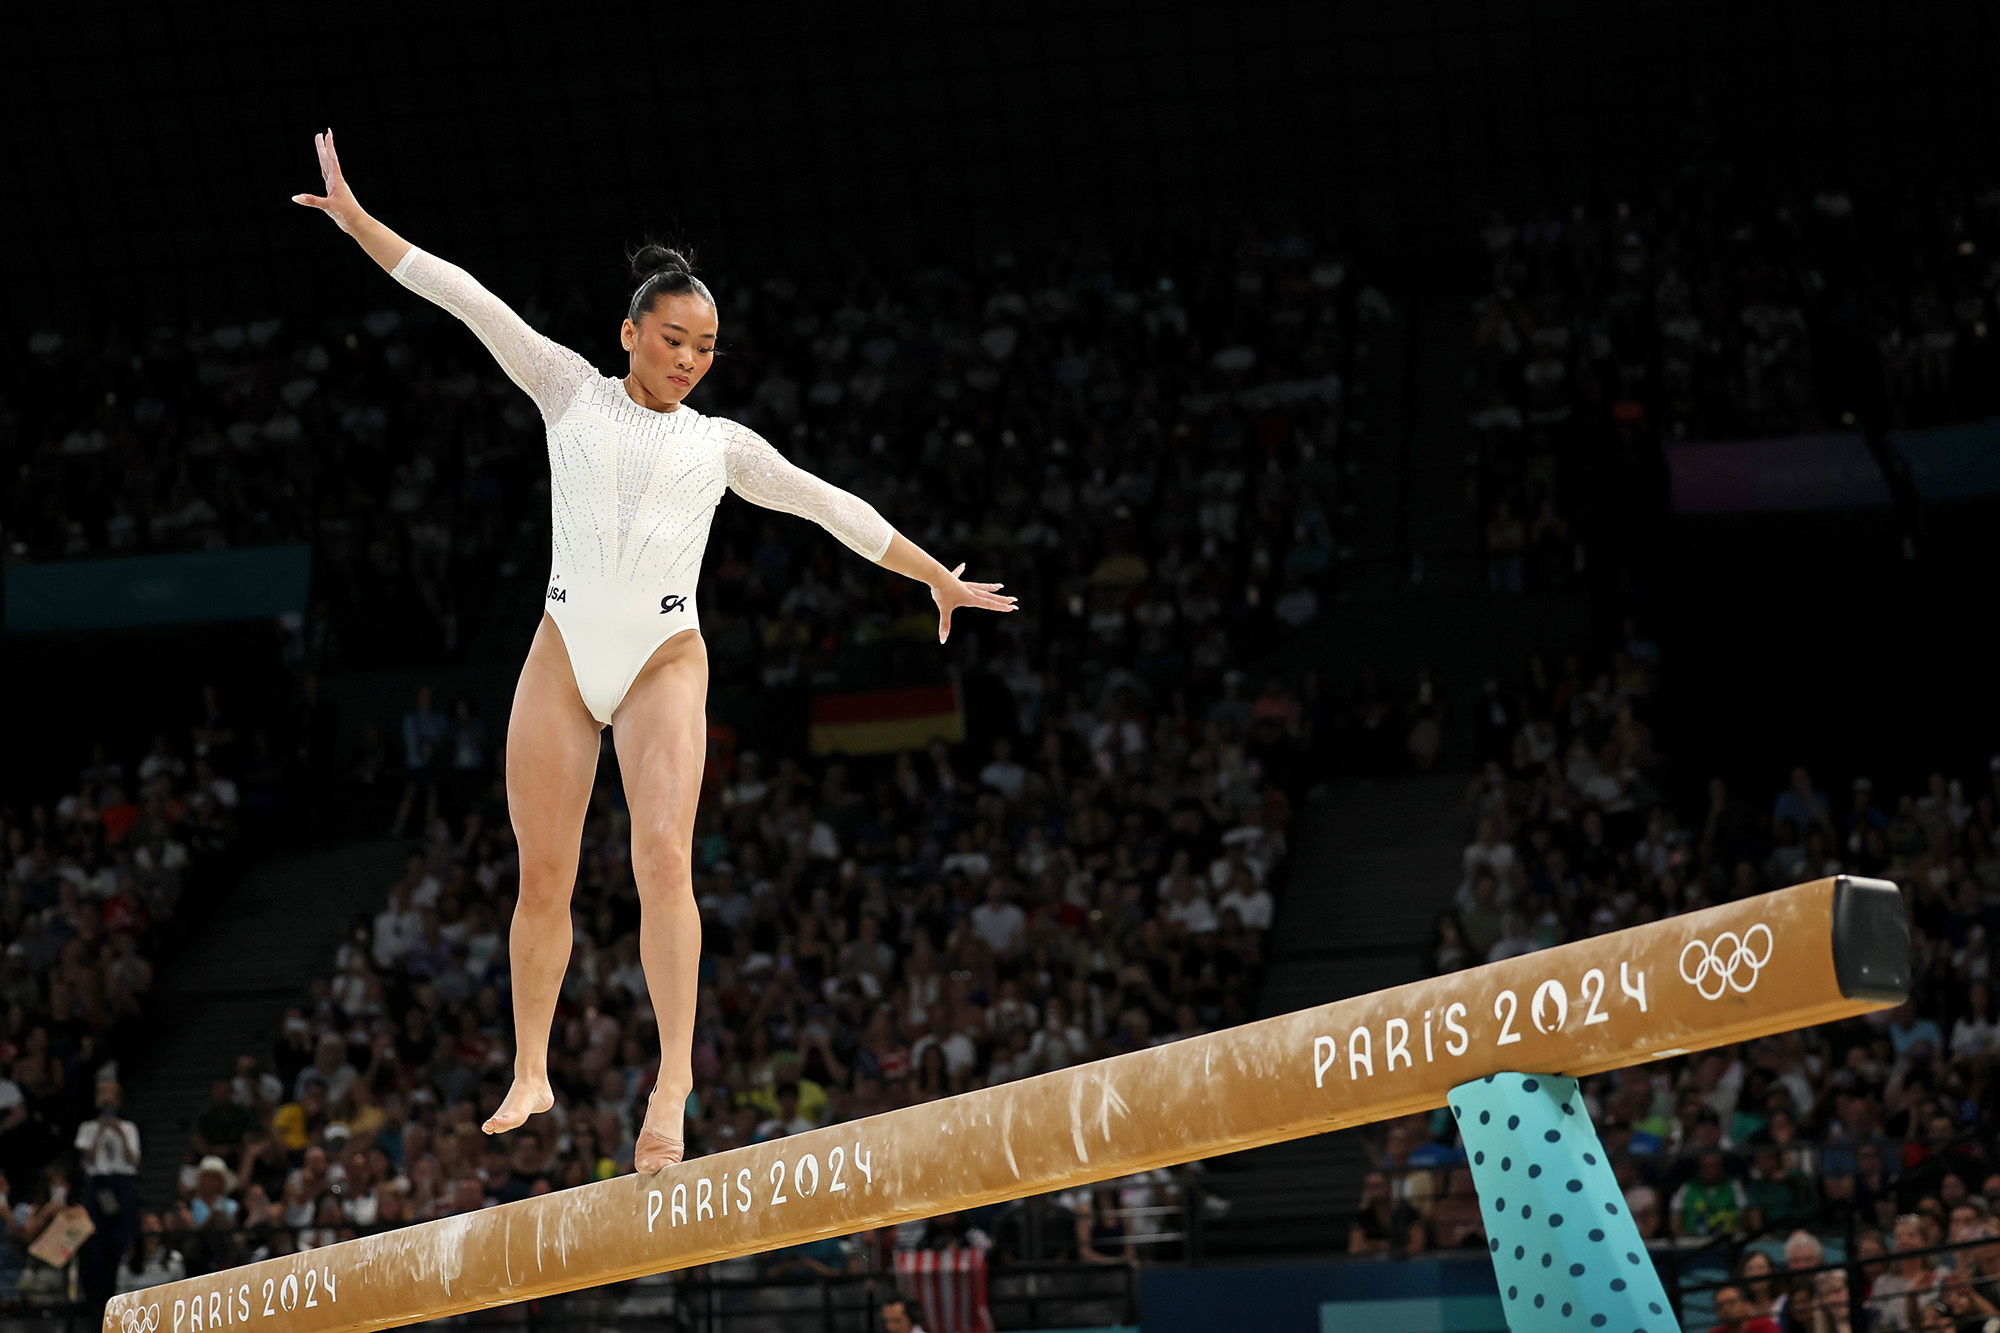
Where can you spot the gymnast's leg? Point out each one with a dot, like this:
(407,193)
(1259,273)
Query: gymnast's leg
(552,744)
(661,730)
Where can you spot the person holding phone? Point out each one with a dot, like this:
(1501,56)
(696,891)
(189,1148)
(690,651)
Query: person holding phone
(108,1148)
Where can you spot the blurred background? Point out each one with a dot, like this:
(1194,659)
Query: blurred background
(1476,475)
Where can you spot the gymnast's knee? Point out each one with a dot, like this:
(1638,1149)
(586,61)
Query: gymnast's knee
(662,863)
(546,884)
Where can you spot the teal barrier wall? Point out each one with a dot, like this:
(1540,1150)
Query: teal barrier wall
(1453,1293)
(1952,462)
(195,587)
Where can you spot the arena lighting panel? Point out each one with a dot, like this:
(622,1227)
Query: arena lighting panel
(1772,963)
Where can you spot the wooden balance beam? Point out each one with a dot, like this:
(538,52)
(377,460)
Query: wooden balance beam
(1805,955)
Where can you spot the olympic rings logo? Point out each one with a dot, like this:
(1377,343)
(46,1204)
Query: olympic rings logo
(1731,963)
(141,1319)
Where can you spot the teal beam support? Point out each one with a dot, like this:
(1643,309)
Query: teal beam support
(1565,1249)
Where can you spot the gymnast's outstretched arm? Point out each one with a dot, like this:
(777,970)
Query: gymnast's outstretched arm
(545,370)
(763,476)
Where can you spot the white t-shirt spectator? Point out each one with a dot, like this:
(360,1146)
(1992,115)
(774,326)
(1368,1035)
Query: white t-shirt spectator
(1512,946)
(1057,1048)
(395,933)
(1223,868)
(1195,914)
(1297,606)
(775,1128)
(108,1148)
(1254,907)
(1499,858)
(1001,925)
(1972,1037)
(1006,777)
(961,1053)
(974,864)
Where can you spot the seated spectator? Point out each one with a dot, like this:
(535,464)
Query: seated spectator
(1967,1307)
(1455,1221)
(1712,1203)
(787,1120)
(1836,1308)
(1102,1235)
(1642,1201)
(1484,922)
(1382,1223)
(1490,852)
(1448,949)
(1754,1273)
(1735,1314)
(1249,899)
(827,1257)
(215,1183)
(1776,1196)
(999,922)
(1515,939)
(223,1126)
(152,1259)
(1189,907)
(1799,1311)
(1917,1274)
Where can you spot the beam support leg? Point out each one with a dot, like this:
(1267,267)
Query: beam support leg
(1565,1248)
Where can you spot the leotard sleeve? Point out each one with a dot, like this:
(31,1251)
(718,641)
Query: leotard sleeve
(763,476)
(546,370)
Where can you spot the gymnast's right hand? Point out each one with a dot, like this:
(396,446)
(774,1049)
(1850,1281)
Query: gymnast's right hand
(338,201)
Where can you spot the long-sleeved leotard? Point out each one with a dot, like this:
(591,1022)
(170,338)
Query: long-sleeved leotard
(631,491)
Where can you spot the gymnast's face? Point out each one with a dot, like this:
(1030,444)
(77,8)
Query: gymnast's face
(672,347)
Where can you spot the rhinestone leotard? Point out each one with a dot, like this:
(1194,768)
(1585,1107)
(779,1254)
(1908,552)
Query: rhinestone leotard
(631,491)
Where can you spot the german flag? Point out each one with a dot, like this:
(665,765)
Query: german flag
(884,721)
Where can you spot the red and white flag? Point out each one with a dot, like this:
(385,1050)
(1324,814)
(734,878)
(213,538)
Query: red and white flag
(950,1284)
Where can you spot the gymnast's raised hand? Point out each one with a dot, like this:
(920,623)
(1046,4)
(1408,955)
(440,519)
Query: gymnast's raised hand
(949,593)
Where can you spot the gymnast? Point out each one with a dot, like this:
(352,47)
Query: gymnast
(634,478)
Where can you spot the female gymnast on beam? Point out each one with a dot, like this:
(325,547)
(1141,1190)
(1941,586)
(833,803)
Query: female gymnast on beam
(634,478)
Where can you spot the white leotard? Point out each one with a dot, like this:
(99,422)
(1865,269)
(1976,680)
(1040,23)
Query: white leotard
(631,491)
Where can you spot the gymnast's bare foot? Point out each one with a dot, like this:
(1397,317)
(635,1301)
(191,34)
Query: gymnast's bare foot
(528,1096)
(659,1145)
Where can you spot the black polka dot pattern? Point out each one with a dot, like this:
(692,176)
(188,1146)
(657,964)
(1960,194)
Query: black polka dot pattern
(1529,1131)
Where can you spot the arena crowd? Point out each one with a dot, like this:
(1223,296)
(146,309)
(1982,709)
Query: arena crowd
(1140,446)
(99,880)
(1865,1139)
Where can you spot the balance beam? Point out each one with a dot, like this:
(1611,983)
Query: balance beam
(1811,954)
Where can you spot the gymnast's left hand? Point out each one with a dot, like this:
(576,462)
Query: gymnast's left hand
(950,593)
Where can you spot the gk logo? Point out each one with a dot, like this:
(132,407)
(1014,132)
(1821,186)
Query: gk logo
(673,601)
(557,594)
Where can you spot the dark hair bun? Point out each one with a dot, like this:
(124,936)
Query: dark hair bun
(651,259)
(659,272)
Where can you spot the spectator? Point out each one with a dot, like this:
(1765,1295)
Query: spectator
(426,744)
(1711,1203)
(108,1148)
(1916,1274)
(1102,1236)
(1754,1280)
(999,922)
(787,1120)
(1734,1313)
(152,1260)
(902,1314)
(1383,1224)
